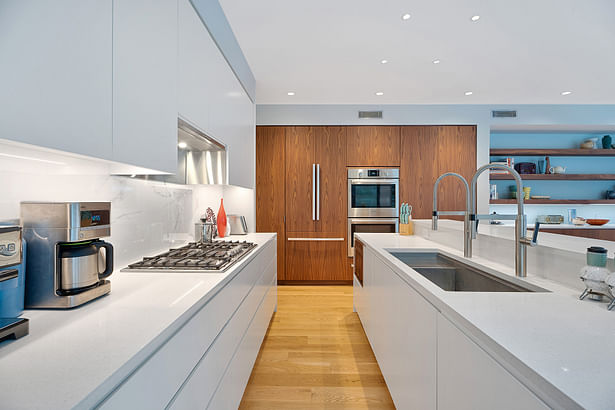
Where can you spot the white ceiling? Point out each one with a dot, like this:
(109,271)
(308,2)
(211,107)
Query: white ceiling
(520,51)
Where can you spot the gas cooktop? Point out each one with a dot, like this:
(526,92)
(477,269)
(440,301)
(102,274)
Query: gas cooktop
(215,256)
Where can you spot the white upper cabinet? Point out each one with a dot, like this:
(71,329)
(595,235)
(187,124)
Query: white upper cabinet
(145,48)
(93,77)
(196,49)
(107,79)
(55,74)
(211,97)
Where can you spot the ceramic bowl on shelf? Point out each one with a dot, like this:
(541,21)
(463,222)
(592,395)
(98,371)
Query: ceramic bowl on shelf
(578,221)
(597,222)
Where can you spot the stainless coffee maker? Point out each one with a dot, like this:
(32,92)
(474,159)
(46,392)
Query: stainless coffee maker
(67,261)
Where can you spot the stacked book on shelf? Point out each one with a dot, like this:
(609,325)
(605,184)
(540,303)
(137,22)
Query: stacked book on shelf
(510,162)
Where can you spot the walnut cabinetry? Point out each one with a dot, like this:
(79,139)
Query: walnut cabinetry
(426,153)
(315,204)
(270,169)
(301,195)
(358,260)
(602,234)
(301,185)
(372,146)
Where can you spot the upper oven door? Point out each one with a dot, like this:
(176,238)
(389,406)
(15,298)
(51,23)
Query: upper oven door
(373,198)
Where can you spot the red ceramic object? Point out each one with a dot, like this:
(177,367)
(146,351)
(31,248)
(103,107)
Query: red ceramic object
(221,222)
(597,221)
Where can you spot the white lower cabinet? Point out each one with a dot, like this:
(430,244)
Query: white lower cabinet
(186,371)
(427,362)
(468,378)
(402,331)
(208,375)
(230,392)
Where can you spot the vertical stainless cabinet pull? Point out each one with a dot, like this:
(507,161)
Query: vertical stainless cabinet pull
(318,192)
(313,192)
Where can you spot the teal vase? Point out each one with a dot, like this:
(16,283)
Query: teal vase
(607,141)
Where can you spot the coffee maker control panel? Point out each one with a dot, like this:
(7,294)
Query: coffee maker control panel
(10,246)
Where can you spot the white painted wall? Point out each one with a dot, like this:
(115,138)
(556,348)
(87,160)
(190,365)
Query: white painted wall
(479,115)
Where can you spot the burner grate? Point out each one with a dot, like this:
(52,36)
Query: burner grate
(215,256)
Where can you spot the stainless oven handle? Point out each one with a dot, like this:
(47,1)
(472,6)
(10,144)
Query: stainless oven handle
(364,221)
(374,181)
(313,192)
(316,239)
(318,192)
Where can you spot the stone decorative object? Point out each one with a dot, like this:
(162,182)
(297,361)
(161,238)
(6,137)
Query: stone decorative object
(607,142)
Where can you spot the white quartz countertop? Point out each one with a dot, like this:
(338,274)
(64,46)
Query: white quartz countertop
(77,357)
(561,348)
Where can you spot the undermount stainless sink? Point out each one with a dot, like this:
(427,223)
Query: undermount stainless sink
(456,276)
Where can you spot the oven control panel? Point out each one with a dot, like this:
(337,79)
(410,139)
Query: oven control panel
(385,173)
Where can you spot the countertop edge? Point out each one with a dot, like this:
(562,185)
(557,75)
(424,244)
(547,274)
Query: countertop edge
(122,374)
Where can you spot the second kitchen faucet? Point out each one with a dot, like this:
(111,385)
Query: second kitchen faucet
(471,218)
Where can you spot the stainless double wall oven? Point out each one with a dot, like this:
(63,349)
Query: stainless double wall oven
(373,201)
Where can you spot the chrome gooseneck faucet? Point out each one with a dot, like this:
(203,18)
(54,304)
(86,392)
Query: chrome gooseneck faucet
(521,242)
(467,233)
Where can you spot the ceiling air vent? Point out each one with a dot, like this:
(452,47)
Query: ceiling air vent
(504,114)
(370,114)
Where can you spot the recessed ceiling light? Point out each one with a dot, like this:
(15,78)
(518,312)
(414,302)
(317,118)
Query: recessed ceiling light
(379,93)
(436,61)
(566,92)
(405,16)
(182,144)
(291,93)
(468,93)
(475,18)
(384,61)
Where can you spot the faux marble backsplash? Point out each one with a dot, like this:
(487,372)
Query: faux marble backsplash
(146,217)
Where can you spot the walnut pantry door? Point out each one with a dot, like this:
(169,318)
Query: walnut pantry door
(315,204)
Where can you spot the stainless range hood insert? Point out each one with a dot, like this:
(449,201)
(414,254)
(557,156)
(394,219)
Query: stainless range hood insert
(201,160)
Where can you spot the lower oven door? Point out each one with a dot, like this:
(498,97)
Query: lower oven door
(370,225)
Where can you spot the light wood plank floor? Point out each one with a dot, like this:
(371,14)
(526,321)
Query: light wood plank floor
(316,356)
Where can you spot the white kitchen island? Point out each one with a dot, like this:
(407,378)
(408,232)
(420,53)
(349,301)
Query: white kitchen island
(481,350)
(178,340)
